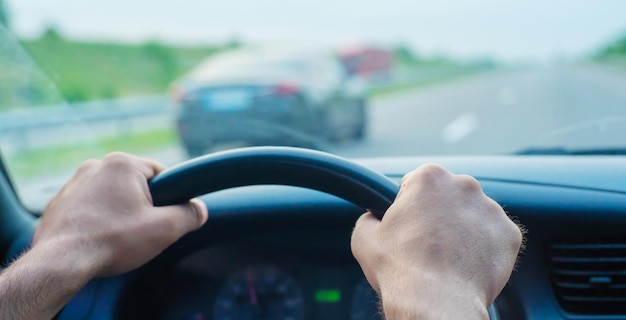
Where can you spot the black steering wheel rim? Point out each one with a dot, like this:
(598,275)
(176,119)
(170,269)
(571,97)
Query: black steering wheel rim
(277,166)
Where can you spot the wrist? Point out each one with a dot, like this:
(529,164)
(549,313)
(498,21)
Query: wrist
(424,295)
(41,282)
(63,262)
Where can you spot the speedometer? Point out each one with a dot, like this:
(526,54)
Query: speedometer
(259,293)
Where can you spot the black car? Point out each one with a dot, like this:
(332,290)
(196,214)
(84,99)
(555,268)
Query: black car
(259,96)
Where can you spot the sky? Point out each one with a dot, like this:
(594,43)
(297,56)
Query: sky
(502,29)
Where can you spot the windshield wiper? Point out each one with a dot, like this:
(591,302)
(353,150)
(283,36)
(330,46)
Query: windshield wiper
(565,151)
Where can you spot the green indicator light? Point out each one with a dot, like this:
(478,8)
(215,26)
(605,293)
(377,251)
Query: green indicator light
(328,296)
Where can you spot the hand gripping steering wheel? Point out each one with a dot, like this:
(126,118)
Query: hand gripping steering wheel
(278,166)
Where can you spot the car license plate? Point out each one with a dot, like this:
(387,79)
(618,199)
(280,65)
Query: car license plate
(227,100)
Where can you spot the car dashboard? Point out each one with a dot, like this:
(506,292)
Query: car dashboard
(280,252)
(266,277)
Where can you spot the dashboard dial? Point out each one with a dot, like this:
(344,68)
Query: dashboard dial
(365,303)
(259,293)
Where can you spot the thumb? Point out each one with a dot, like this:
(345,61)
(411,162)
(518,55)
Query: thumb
(185,217)
(363,234)
(364,246)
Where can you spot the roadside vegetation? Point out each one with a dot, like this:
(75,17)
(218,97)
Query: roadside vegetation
(118,70)
(614,53)
(114,70)
(4,19)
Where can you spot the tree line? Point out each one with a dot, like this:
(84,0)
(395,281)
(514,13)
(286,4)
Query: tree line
(4,16)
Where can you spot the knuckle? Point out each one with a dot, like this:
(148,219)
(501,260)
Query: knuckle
(116,156)
(432,168)
(117,159)
(431,171)
(407,177)
(88,164)
(469,183)
(495,206)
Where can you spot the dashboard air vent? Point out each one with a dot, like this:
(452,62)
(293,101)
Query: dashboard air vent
(589,276)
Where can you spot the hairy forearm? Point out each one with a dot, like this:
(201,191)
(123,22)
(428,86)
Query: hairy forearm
(40,283)
(425,297)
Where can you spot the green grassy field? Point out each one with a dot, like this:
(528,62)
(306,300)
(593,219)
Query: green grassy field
(31,163)
(112,70)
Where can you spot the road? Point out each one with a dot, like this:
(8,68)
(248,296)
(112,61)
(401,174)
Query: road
(496,113)
(499,113)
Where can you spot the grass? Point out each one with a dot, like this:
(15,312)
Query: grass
(32,163)
(618,62)
(92,71)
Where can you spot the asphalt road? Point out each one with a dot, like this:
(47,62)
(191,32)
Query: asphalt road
(572,107)
(496,113)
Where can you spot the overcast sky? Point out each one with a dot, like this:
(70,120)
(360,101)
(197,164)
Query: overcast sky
(506,29)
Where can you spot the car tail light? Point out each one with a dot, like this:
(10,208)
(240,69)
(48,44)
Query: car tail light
(286,89)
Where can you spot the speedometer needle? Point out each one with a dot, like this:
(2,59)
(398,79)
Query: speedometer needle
(251,289)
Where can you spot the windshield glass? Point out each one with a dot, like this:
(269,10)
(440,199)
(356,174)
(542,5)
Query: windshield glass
(177,79)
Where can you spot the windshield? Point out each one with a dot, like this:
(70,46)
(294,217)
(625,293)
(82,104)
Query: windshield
(177,79)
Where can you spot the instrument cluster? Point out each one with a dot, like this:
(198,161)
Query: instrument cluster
(248,281)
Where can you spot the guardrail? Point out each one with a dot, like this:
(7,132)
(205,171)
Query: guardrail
(46,126)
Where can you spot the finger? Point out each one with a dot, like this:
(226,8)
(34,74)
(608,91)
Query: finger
(403,184)
(124,162)
(364,230)
(144,168)
(427,175)
(150,168)
(201,210)
(183,218)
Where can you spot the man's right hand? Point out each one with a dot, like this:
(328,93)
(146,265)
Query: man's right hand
(444,250)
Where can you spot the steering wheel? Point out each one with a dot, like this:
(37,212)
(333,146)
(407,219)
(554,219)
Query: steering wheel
(280,166)
(272,165)
(275,165)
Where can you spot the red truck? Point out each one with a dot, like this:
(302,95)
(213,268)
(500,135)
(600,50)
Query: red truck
(366,61)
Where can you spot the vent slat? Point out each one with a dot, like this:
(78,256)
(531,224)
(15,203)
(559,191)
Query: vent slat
(593,299)
(588,259)
(589,275)
(587,285)
(599,246)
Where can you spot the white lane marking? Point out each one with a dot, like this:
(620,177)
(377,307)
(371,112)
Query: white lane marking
(459,128)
